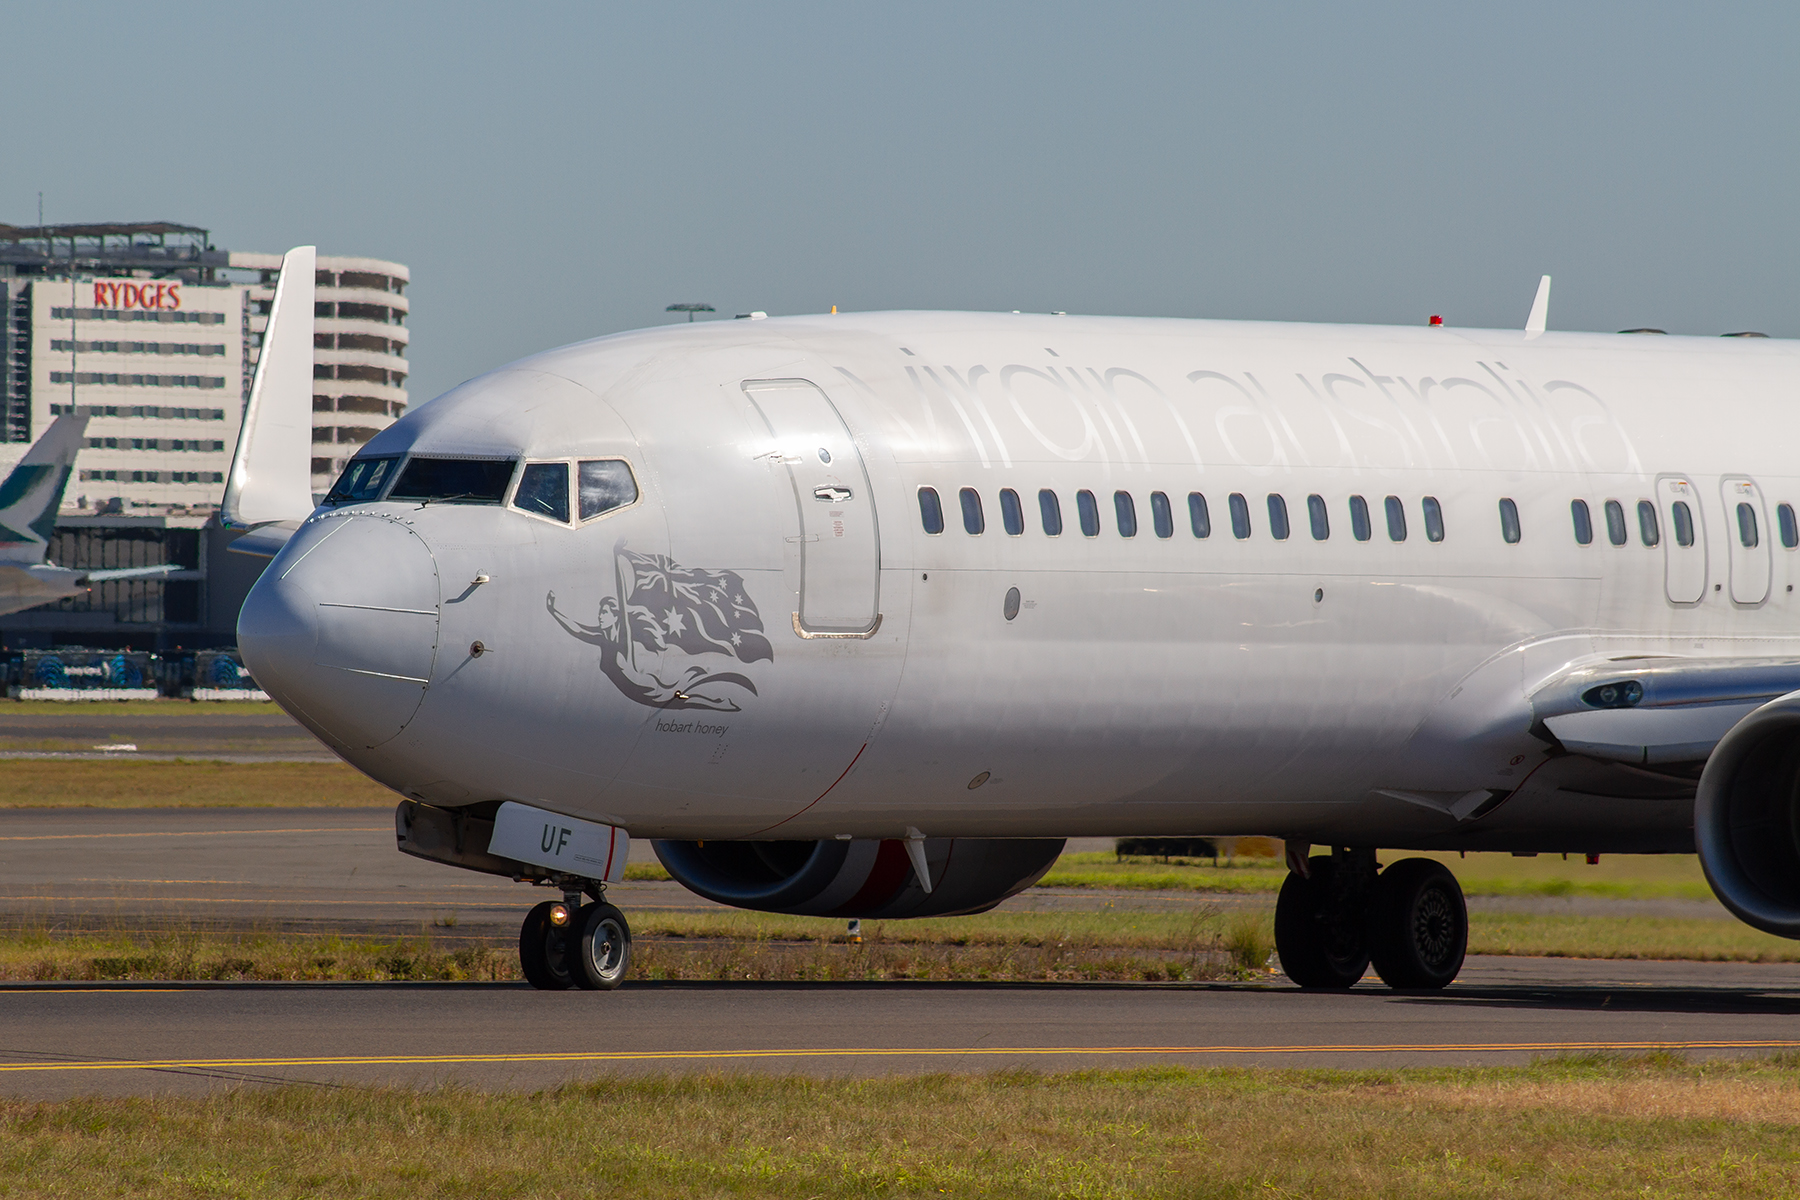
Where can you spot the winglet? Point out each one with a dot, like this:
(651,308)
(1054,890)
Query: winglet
(31,495)
(1540,309)
(271,472)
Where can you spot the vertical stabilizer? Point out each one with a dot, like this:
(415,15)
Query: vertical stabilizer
(1540,309)
(30,496)
(271,473)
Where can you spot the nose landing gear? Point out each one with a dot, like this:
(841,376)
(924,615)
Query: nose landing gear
(567,943)
(1338,915)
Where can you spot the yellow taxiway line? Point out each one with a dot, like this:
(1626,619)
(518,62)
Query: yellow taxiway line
(621,1056)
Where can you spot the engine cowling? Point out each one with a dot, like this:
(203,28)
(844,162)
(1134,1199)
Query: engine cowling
(861,877)
(1747,818)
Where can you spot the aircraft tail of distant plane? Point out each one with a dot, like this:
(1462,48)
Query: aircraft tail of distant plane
(30,496)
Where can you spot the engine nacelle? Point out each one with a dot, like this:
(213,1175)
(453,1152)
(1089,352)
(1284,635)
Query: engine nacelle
(1747,818)
(863,877)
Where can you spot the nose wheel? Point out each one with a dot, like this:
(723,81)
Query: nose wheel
(567,944)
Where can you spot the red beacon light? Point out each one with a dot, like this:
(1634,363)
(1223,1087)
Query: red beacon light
(1436,321)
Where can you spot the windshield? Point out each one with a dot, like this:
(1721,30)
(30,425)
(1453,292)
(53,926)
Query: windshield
(362,479)
(459,480)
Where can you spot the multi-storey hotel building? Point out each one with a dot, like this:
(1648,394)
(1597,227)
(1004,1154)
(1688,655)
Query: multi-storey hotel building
(154,333)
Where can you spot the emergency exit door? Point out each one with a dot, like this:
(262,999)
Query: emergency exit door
(1747,534)
(1683,539)
(840,553)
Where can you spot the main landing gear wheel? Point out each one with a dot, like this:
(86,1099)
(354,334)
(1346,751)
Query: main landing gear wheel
(602,948)
(1418,925)
(1320,932)
(546,949)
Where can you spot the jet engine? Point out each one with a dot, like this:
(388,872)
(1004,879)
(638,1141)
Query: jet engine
(1747,818)
(864,877)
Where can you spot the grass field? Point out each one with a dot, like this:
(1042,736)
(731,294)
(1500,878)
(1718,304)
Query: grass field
(90,783)
(140,708)
(1653,1126)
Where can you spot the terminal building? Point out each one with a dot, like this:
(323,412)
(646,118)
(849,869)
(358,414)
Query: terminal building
(154,333)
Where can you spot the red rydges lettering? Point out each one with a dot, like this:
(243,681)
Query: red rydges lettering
(125,293)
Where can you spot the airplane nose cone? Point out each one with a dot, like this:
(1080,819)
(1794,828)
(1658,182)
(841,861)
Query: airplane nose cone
(342,627)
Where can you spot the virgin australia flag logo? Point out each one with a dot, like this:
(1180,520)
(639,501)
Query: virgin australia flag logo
(662,616)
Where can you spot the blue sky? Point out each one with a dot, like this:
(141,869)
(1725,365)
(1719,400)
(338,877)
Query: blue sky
(554,172)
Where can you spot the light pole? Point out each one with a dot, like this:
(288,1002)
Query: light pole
(690,309)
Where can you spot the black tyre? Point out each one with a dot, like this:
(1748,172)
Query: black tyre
(1321,945)
(546,950)
(602,948)
(1418,925)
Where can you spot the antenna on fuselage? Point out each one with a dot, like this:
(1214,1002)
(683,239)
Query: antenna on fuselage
(1540,309)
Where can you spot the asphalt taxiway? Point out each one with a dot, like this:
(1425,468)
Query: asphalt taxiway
(60,1040)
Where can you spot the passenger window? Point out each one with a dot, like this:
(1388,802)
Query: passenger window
(1050,509)
(1321,520)
(1434,519)
(1278,522)
(1240,516)
(1746,517)
(454,480)
(362,480)
(1615,522)
(602,485)
(544,489)
(1396,519)
(1509,521)
(1198,517)
(1684,523)
(1125,509)
(1360,528)
(1161,516)
(1088,509)
(1012,513)
(973,521)
(931,510)
(1648,531)
(1584,522)
(1790,533)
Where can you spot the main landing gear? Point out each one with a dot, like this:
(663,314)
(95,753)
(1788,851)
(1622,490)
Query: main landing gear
(1339,913)
(567,943)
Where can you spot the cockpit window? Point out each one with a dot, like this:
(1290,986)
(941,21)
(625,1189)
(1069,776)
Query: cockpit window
(604,485)
(362,480)
(454,480)
(544,490)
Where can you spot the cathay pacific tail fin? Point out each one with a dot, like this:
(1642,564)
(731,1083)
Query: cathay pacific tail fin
(30,496)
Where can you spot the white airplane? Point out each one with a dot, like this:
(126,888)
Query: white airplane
(29,499)
(861,615)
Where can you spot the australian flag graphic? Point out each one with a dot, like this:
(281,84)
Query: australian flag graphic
(662,616)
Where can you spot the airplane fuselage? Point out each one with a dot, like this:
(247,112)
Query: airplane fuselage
(771,642)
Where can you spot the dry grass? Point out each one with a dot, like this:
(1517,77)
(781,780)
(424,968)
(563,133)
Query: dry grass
(87,783)
(1656,1127)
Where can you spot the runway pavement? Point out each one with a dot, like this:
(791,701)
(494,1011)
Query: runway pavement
(59,1040)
